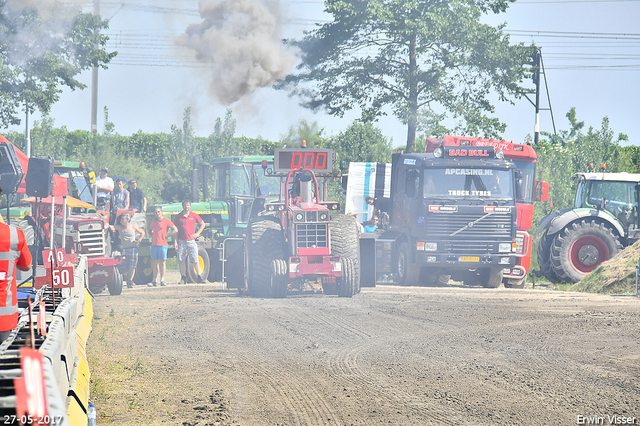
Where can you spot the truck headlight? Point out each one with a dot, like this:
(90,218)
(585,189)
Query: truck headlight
(430,246)
(504,247)
(504,260)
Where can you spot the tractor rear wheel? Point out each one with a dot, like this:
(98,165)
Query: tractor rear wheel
(27,230)
(265,242)
(544,258)
(279,274)
(203,262)
(345,242)
(144,271)
(347,285)
(580,247)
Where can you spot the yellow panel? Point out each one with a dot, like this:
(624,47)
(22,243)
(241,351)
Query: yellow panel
(88,306)
(75,413)
(83,376)
(84,330)
(82,347)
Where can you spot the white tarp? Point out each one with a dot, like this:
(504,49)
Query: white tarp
(366,180)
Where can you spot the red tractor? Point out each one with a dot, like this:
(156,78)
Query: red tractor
(296,243)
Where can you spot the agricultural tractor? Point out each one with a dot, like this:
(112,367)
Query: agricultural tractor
(241,189)
(296,243)
(603,220)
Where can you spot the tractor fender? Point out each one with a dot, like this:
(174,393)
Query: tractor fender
(564,219)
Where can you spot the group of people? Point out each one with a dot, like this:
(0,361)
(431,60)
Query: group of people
(162,229)
(132,198)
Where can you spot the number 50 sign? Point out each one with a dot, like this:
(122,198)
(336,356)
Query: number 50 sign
(58,278)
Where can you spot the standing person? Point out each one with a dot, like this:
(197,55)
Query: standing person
(136,197)
(121,195)
(104,187)
(186,222)
(159,245)
(14,253)
(130,241)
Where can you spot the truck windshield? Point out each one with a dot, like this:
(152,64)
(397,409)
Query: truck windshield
(468,183)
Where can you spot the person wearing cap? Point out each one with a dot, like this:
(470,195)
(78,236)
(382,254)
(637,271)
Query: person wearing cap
(104,186)
(137,200)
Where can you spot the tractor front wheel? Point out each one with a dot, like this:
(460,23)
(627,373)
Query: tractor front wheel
(279,272)
(348,282)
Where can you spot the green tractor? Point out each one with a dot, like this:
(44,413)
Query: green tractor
(603,220)
(241,189)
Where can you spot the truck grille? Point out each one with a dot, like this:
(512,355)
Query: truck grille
(92,239)
(312,235)
(492,228)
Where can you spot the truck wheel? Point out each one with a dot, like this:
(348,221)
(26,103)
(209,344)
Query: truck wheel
(115,286)
(144,272)
(265,243)
(443,279)
(346,288)
(491,278)
(544,258)
(279,272)
(580,247)
(515,282)
(405,272)
(203,261)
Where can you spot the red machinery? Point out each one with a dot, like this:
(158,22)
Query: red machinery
(524,158)
(296,242)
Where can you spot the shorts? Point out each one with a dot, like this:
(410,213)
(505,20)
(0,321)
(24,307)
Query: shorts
(130,258)
(190,247)
(159,252)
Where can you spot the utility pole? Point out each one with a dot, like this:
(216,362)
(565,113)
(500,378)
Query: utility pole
(27,135)
(94,82)
(536,80)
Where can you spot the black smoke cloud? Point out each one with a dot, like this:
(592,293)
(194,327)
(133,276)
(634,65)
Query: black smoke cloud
(240,42)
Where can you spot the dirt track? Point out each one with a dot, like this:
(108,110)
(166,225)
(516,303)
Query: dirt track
(199,355)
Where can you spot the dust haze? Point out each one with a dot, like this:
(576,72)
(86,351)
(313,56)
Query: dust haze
(240,43)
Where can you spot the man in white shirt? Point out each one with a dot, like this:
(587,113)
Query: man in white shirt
(104,186)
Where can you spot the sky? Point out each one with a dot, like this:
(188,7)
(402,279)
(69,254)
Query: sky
(590,51)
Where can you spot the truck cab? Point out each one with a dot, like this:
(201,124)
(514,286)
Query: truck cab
(452,213)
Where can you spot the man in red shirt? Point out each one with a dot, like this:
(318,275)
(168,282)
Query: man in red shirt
(186,223)
(14,252)
(160,227)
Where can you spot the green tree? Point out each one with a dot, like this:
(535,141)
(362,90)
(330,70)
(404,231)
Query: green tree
(362,142)
(41,49)
(409,55)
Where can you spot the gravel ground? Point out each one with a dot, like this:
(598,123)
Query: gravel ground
(197,354)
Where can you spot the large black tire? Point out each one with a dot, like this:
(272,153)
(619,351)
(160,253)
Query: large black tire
(580,247)
(491,277)
(345,242)
(115,286)
(203,260)
(345,237)
(265,242)
(349,279)
(544,258)
(144,271)
(405,272)
(279,272)
(443,279)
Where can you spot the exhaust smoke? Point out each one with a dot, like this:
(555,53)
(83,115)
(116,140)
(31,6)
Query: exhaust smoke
(240,41)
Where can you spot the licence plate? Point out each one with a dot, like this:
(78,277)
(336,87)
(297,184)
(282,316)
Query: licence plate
(469,259)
